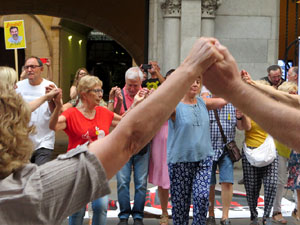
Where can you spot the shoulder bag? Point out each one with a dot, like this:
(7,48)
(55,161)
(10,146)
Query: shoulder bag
(231,147)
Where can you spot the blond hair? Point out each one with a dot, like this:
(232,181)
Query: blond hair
(76,78)
(289,87)
(15,145)
(8,75)
(264,82)
(87,83)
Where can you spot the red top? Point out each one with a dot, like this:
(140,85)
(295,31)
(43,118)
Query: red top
(81,129)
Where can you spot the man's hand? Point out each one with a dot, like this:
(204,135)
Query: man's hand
(52,93)
(239,114)
(48,62)
(155,69)
(203,54)
(140,96)
(246,77)
(50,88)
(223,75)
(58,99)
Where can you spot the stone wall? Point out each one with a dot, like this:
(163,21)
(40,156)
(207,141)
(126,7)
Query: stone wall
(248,28)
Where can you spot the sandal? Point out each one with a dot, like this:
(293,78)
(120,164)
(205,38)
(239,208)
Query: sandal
(277,218)
(164,219)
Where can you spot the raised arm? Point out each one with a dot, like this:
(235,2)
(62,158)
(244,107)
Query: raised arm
(49,69)
(214,103)
(119,101)
(155,70)
(39,101)
(243,121)
(284,97)
(278,119)
(138,127)
(57,121)
(73,92)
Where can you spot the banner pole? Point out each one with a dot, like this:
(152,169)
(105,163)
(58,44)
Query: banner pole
(16,62)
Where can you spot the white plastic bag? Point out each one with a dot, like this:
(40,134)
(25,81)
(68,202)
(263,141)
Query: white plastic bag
(262,155)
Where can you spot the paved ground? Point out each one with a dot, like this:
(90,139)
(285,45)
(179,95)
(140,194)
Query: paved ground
(61,145)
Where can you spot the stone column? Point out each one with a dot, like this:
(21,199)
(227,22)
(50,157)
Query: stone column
(171,39)
(209,8)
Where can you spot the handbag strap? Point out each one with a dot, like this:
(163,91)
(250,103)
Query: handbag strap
(220,126)
(124,102)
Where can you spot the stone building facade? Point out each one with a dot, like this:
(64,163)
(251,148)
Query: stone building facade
(160,30)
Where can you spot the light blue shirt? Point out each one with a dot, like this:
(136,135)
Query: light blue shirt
(189,135)
(13,41)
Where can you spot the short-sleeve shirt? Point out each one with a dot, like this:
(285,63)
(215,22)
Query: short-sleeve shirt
(228,122)
(81,129)
(40,118)
(151,83)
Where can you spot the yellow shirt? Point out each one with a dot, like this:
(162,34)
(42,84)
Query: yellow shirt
(255,136)
(282,150)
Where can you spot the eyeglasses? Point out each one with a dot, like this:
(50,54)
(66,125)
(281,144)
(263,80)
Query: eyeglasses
(97,90)
(31,66)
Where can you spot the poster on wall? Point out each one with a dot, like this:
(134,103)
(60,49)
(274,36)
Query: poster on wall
(14,34)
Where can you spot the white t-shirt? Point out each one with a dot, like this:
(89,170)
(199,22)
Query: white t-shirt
(44,137)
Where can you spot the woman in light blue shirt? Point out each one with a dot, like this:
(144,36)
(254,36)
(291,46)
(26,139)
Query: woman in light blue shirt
(189,156)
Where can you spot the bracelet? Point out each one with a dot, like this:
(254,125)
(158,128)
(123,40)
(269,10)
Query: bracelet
(239,118)
(111,101)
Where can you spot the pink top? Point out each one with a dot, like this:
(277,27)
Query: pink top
(128,100)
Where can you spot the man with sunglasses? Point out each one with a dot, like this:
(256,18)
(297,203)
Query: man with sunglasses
(32,88)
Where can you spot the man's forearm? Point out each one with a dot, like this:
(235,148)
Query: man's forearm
(160,77)
(279,120)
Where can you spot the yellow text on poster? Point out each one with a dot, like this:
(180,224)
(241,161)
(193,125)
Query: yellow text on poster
(14,34)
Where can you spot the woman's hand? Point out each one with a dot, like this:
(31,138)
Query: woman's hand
(246,77)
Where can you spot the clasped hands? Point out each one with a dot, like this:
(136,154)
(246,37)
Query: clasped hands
(211,60)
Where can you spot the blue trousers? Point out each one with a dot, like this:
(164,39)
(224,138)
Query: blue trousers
(187,179)
(99,207)
(139,165)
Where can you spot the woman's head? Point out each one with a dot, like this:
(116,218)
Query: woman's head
(196,87)
(15,145)
(8,76)
(90,90)
(81,72)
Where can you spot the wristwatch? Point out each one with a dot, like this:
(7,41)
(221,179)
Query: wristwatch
(111,101)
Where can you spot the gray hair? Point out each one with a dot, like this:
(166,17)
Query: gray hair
(133,73)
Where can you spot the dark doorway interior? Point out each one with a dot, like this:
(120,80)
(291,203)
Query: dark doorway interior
(7,57)
(109,61)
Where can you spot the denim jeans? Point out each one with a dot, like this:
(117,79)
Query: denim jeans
(139,165)
(99,207)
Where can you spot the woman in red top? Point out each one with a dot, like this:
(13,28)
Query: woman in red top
(86,122)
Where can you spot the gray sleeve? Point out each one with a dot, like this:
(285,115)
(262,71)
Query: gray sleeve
(70,182)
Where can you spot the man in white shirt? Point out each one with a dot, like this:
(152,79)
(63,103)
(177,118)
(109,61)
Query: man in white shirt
(32,88)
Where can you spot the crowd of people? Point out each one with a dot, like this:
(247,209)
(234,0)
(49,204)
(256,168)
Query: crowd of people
(165,131)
